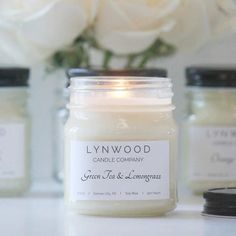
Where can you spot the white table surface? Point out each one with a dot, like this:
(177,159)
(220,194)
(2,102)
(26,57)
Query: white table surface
(42,213)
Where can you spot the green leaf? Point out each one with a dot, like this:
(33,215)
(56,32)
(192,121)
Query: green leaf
(106,59)
(77,54)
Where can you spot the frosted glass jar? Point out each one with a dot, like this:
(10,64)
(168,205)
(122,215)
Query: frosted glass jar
(120,146)
(210,129)
(62,112)
(14,131)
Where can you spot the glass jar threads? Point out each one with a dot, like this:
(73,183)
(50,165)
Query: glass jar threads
(14,131)
(210,130)
(120,146)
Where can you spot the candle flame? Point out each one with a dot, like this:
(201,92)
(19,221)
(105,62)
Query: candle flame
(121,87)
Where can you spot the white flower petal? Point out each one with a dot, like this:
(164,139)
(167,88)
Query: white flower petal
(229,6)
(126,27)
(53,28)
(192,28)
(35,29)
(123,43)
(11,52)
(221,18)
(91,7)
(147,15)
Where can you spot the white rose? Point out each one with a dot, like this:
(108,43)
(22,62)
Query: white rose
(126,27)
(201,21)
(38,28)
(192,29)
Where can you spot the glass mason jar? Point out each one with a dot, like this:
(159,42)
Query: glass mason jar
(62,112)
(14,131)
(210,129)
(120,146)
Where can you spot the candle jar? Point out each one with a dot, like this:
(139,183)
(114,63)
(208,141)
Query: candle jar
(120,146)
(14,131)
(62,112)
(210,128)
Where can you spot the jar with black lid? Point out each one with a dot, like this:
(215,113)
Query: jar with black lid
(120,145)
(210,128)
(14,131)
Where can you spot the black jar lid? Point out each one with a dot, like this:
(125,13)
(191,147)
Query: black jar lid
(79,72)
(211,76)
(14,77)
(220,202)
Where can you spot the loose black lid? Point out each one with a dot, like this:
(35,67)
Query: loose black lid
(14,77)
(220,202)
(78,72)
(211,76)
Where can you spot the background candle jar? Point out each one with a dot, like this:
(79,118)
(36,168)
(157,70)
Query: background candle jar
(14,131)
(120,146)
(60,116)
(210,129)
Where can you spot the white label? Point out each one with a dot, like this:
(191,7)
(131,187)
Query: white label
(212,153)
(119,170)
(12,150)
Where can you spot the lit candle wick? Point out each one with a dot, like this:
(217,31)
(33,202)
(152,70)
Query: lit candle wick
(121,87)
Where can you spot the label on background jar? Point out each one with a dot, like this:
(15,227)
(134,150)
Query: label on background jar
(119,170)
(212,153)
(12,150)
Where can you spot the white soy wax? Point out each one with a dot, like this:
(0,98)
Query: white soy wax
(120,147)
(210,130)
(14,132)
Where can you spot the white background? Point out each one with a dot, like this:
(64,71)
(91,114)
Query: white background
(42,98)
